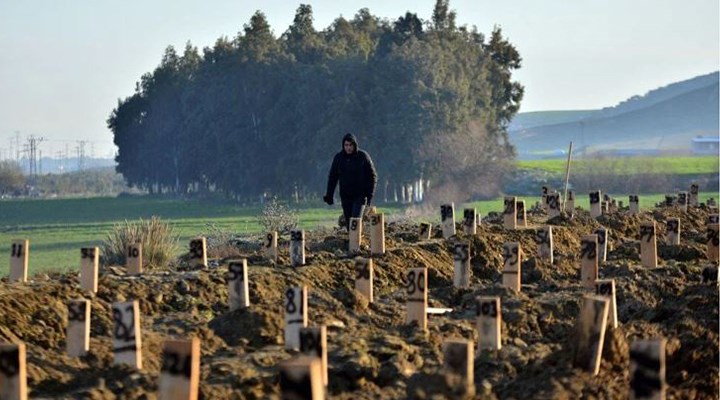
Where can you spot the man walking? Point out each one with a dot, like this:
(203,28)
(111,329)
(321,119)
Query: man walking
(355,171)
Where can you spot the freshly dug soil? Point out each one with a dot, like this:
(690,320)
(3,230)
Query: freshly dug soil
(372,352)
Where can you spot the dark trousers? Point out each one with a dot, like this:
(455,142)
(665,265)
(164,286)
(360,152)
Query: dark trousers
(353,207)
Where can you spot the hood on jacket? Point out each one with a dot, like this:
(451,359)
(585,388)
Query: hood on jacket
(350,138)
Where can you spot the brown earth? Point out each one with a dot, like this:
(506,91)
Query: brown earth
(372,352)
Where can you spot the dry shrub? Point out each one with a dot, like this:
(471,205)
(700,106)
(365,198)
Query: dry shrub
(278,217)
(159,242)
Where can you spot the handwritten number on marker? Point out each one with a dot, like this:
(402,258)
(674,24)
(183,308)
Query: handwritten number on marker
(510,255)
(604,289)
(647,231)
(488,308)
(362,271)
(10,362)
(594,197)
(76,311)
(124,332)
(196,249)
(133,252)
(177,364)
(588,250)
(17,250)
(415,282)
(509,206)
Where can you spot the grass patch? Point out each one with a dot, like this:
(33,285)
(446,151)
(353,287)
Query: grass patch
(635,165)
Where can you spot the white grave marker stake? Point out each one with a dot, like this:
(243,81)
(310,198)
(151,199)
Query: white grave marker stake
(13,371)
(544,240)
(355,235)
(693,196)
(89,261)
(634,203)
(489,320)
(647,370)
(237,280)
(606,288)
(126,334)
(510,213)
(295,315)
(134,262)
(683,201)
(672,231)
(553,206)
(180,371)
(602,235)
(77,334)
(447,218)
(297,248)
(712,243)
(590,333)
(198,252)
(425,231)
(470,221)
(588,260)
(461,256)
(459,360)
(19,252)
(648,248)
(301,378)
(270,246)
(364,277)
(313,343)
(416,285)
(377,234)
(511,263)
(595,206)
(521,214)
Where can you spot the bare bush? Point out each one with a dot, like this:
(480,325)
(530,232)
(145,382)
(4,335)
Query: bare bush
(159,242)
(275,216)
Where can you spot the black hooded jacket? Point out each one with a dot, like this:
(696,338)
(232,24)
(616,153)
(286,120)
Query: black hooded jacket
(355,171)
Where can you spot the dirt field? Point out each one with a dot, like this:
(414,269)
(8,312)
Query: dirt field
(372,352)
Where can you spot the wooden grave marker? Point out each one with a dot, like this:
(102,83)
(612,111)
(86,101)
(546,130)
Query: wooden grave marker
(461,258)
(297,248)
(313,343)
(180,370)
(377,234)
(588,260)
(595,206)
(511,265)
(77,333)
(602,235)
(355,235)
(672,231)
(295,315)
(682,200)
(510,212)
(712,243)
(198,252)
(670,200)
(13,371)
(634,204)
(553,206)
(606,288)
(416,288)
(544,240)
(126,337)
(459,360)
(270,246)
(89,266)
(134,259)
(447,220)
(19,253)
(570,203)
(648,247)
(489,321)
(425,231)
(590,333)
(301,379)
(647,370)
(470,221)
(693,200)
(521,213)
(237,281)
(364,277)
(544,191)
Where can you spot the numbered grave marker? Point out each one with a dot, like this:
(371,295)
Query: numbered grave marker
(712,243)
(570,203)
(511,265)
(364,277)
(295,315)
(521,214)
(510,213)
(237,281)
(588,260)
(648,248)
(713,219)
(489,320)
(606,288)
(670,200)
(126,334)
(544,191)
(647,370)
(313,343)
(89,263)
(270,246)
(544,240)
(134,259)
(198,252)
(78,328)
(301,378)
(590,333)
(297,248)
(447,220)
(634,202)
(355,235)
(416,288)
(470,221)
(180,370)
(461,256)
(425,231)
(605,206)
(595,206)
(377,234)
(693,195)
(13,371)
(553,205)
(19,252)
(682,200)
(672,231)
(459,360)
(602,236)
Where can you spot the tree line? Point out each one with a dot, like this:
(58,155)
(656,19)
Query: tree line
(258,115)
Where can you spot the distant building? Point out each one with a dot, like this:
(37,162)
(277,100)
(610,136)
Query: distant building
(706,145)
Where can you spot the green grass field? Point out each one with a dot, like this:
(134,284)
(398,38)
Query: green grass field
(634,165)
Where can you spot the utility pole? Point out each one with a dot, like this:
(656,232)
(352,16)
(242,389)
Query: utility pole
(81,153)
(32,149)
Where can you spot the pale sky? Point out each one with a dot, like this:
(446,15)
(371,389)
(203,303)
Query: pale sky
(65,64)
